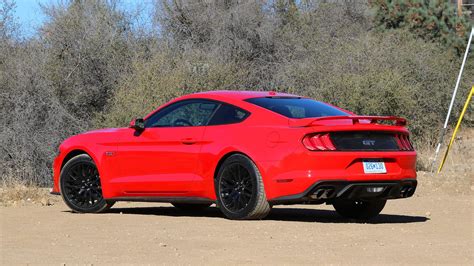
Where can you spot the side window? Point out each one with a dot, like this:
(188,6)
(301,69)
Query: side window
(183,114)
(228,114)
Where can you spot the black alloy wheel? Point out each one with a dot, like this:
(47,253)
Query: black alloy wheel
(80,185)
(236,187)
(239,189)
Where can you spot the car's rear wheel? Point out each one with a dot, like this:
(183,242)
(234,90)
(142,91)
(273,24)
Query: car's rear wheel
(80,186)
(191,206)
(359,209)
(239,189)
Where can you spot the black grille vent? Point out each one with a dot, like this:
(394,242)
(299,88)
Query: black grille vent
(364,141)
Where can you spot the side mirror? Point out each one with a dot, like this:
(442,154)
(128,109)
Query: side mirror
(137,124)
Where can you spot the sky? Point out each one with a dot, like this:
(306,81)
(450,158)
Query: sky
(30,17)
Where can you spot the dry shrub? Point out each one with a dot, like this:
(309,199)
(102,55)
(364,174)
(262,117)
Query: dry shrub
(86,52)
(396,74)
(162,77)
(457,176)
(51,85)
(16,193)
(33,120)
(89,66)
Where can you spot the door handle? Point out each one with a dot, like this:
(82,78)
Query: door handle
(188,141)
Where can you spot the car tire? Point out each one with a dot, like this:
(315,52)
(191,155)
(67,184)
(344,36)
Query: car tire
(239,189)
(80,186)
(191,206)
(359,209)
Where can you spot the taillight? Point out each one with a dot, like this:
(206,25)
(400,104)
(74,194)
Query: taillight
(403,142)
(318,142)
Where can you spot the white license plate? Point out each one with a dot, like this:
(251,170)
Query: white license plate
(374,167)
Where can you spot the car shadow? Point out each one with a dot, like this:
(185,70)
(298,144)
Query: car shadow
(277,214)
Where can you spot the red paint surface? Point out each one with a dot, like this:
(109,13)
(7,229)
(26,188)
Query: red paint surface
(182,161)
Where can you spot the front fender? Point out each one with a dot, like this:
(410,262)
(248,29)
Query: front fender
(101,150)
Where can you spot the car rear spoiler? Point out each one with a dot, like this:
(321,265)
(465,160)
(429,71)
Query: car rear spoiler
(356,119)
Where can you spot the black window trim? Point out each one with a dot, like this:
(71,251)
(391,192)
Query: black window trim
(219,104)
(278,97)
(247,114)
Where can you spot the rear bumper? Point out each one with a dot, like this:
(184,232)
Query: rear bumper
(299,171)
(326,191)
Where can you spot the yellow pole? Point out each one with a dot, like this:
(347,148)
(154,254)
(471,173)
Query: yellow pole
(456,129)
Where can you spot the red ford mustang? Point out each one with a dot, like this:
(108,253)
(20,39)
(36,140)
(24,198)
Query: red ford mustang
(244,151)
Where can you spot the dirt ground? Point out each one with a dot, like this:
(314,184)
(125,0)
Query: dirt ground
(434,227)
(423,229)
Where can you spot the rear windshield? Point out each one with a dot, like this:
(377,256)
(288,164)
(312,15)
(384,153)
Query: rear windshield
(297,107)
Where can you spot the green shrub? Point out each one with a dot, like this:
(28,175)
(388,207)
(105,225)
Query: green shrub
(435,20)
(162,77)
(397,74)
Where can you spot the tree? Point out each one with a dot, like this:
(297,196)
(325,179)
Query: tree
(433,20)
(87,52)
(8,25)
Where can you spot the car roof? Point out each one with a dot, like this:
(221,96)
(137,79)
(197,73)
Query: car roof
(242,95)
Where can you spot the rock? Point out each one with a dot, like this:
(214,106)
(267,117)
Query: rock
(428,214)
(45,202)
(163,245)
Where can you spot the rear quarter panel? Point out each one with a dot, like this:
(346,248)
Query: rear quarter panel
(265,139)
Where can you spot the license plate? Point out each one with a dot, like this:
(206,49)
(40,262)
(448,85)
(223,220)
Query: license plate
(374,167)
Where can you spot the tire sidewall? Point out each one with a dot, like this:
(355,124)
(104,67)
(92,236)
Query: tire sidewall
(251,168)
(83,158)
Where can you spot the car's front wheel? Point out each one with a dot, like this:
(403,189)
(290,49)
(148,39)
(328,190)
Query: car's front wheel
(80,186)
(359,209)
(239,189)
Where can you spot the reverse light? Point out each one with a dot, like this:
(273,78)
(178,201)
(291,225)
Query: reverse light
(375,189)
(318,142)
(403,142)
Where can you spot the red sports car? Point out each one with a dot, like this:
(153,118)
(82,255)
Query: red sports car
(244,151)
